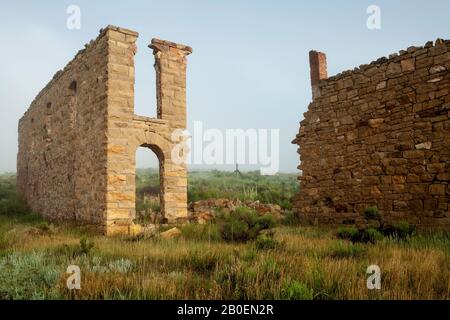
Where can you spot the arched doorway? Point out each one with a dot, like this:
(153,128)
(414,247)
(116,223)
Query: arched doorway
(149,204)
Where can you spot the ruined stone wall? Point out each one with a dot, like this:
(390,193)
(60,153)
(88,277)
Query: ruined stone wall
(127,131)
(61,160)
(78,140)
(378,135)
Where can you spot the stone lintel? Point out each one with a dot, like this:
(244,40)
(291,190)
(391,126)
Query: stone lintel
(164,45)
(119,29)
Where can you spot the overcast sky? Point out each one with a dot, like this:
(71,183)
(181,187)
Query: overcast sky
(249,68)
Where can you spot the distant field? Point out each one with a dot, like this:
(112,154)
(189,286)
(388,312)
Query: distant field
(299,263)
(277,189)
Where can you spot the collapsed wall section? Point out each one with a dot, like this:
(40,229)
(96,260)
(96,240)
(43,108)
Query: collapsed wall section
(378,135)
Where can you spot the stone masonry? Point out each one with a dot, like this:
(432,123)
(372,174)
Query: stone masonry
(78,139)
(378,135)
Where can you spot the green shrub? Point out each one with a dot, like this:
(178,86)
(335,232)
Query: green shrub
(243,224)
(266,242)
(355,235)
(371,235)
(295,290)
(372,213)
(86,245)
(348,233)
(399,230)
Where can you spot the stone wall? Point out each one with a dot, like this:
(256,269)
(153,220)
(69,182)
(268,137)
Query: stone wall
(78,139)
(378,135)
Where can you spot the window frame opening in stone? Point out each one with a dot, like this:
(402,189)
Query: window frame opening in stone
(73,90)
(148,186)
(48,123)
(145,90)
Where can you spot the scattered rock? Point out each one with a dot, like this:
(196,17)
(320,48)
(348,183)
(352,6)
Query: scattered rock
(203,211)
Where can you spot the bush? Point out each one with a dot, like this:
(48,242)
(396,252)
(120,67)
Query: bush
(295,290)
(364,235)
(399,230)
(86,246)
(266,242)
(371,235)
(348,233)
(243,224)
(372,213)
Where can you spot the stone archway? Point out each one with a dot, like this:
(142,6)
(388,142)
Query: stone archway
(154,134)
(149,187)
(173,176)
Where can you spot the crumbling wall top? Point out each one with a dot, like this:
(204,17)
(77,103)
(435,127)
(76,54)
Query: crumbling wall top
(410,52)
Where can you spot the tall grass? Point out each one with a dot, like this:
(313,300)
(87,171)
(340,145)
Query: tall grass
(311,264)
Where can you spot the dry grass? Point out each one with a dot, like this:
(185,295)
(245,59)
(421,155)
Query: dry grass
(199,266)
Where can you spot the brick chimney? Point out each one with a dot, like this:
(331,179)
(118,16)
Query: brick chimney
(318,68)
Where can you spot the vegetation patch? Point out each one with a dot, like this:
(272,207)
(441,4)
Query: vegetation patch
(372,213)
(341,250)
(399,230)
(286,262)
(354,234)
(243,224)
(295,290)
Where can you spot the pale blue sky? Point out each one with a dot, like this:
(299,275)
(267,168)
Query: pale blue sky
(249,68)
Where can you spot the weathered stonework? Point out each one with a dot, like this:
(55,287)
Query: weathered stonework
(78,139)
(378,135)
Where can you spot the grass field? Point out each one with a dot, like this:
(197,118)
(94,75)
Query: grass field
(306,263)
(277,189)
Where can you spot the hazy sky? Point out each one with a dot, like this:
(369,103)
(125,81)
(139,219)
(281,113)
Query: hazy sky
(249,68)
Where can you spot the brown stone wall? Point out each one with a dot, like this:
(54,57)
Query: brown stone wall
(61,160)
(127,131)
(78,140)
(378,135)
